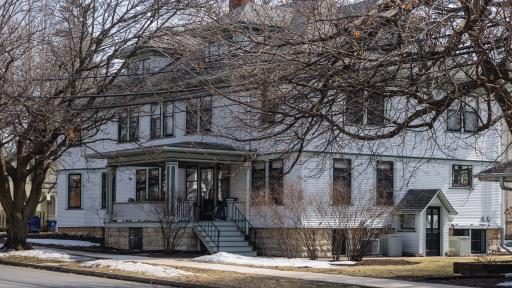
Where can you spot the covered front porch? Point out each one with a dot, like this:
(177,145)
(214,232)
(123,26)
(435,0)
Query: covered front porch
(196,181)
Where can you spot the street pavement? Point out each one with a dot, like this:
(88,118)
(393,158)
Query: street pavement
(11,276)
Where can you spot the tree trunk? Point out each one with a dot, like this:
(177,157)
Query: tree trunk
(17,232)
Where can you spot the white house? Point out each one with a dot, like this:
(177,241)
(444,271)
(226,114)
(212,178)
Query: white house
(170,150)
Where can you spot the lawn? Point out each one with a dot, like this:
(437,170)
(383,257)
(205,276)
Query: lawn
(403,267)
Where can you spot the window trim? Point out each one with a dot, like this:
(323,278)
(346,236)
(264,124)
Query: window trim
(401,222)
(379,202)
(69,191)
(166,114)
(104,190)
(457,113)
(132,112)
(333,201)
(461,111)
(155,131)
(361,98)
(145,194)
(470,177)
(196,113)
(267,189)
(279,179)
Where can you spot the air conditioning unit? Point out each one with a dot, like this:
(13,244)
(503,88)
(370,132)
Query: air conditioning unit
(460,245)
(391,245)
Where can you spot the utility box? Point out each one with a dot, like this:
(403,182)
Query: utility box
(391,245)
(460,245)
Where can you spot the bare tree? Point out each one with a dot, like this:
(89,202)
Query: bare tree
(327,71)
(172,225)
(356,225)
(288,221)
(61,62)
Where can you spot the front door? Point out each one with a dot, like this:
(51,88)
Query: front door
(206,193)
(433,236)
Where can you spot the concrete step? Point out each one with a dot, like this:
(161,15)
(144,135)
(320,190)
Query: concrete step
(224,224)
(224,234)
(236,249)
(229,244)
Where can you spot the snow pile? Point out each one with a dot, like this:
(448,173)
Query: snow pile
(151,270)
(505,284)
(62,242)
(228,258)
(42,254)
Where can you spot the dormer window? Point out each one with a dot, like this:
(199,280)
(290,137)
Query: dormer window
(213,51)
(140,66)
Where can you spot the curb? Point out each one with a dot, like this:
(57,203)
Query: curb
(137,279)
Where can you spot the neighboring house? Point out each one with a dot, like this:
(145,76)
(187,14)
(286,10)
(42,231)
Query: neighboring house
(171,151)
(46,208)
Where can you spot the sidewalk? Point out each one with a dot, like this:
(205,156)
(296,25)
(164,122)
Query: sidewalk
(332,278)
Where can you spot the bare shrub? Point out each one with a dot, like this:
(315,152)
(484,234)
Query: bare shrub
(289,227)
(357,224)
(172,225)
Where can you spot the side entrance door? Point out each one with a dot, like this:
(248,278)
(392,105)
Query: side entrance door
(433,233)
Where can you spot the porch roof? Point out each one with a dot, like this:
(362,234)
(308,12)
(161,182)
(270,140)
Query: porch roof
(193,151)
(415,200)
(494,173)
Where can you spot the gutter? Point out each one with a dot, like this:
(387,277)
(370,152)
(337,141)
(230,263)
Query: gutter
(504,190)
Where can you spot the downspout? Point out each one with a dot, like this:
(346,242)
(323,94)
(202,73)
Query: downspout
(504,190)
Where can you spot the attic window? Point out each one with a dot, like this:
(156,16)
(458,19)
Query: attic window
(140,66)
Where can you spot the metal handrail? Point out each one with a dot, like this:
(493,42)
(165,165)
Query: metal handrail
(244,225)
(212,232)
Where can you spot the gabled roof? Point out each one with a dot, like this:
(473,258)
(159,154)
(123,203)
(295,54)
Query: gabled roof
(415,200)
(503,169)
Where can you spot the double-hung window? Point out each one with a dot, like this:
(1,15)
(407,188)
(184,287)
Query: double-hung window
(74,191)
(148,185)
(199,115)
(462,119)
(162,120)
(385,182)
(342,182)
(275,181)
(365,108)
(258,180)
(462,175)
(128,125)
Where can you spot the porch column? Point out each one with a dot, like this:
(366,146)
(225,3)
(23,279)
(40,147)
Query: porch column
(111,172)
(248,185)
(171,169)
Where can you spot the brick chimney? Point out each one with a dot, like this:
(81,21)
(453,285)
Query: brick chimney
(234,4)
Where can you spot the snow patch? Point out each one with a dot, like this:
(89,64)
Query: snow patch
(151,270)
(505,284)
(43,254)
(62,242)
(228,258)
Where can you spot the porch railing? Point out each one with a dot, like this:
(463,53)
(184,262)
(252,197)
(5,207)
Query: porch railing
(211,231)
(243,224)
(185,210)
